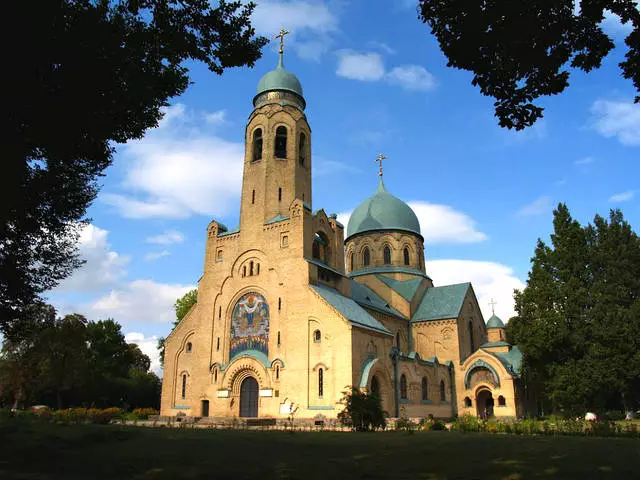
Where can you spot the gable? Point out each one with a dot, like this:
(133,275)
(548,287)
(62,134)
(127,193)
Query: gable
(441,302)
(405,288)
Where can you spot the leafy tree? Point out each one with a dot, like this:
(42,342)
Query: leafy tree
(362,411)
(182,307)
(578,324)
(90,74)
(521,50)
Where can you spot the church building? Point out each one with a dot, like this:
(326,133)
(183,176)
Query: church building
(293,310)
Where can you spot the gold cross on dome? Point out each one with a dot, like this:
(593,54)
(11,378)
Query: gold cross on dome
(493,303)
(380,158)
(281,35)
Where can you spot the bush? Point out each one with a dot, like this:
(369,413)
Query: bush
(469,423)
(143,413)
(362,412)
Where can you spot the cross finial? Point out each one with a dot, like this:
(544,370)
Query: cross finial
(281,35)
(380,158)
(493,303)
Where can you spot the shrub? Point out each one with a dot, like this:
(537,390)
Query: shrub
(469,423)
(362,411)
(143,413)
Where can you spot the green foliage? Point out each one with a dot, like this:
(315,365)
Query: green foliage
(144,413)
(70,361)
(362,411)
(578,321)
(89,75)
(519,51)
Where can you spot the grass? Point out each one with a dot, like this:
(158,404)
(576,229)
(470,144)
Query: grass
(48,451)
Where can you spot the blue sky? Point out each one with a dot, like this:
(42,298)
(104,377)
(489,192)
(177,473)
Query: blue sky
(374,81)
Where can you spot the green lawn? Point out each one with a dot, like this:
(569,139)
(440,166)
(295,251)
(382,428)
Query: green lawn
(44,451)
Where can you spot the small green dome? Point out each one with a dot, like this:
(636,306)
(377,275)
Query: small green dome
(495,322)
(382,211)
(279,79)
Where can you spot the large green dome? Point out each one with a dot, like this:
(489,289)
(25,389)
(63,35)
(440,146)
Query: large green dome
(382,211)
(279,79)
(495,322)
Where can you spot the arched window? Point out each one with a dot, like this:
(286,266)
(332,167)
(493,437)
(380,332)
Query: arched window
(251,269)
(189,347)
(257,144)
(281,142)
(315,250)
(320,383)
(387,255)
(406,256)
(220,313)
(471,336)
(253,196)
(257,269)
(443,392)
(215,374)
(244,271)
(279,303)
(352,259)
(218,344)
(184,386)
(302,145)
(279,194)
(467,402)
(277,372)
(403,387)
(425,389)
(501,401)
(366,257)
(317,336)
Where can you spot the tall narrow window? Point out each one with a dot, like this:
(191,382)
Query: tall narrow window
(406,256)
(215,375)
(218,344)
(387,255)
(253,197)
(320,383)
(302,145)
(281,142)
(278,338)
(425,389)
(257,269)
(353,262)
(443,392)
(251,269)
(189,347)
(244,271)
(184,386)
(471,336)
(403,387)
(277,372)
(366,257)
(279,303)
(257,144)
(279,194)
(220,313)
(317,336)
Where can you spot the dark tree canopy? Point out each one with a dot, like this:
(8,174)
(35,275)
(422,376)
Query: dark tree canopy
(521,50)
(86,75)
(578,321)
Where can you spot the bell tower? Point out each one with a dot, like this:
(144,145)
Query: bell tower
(277,161)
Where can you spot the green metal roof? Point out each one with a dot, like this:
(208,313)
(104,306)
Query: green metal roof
(230,232)
(441,302)
(512,360)
(406,288)
(276,219)
(495,322)
(367,271)
(382,211)
(368,298)
(349,309)
(279,79)
(500,343)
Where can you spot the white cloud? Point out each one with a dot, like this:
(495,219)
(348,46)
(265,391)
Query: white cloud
(140,301)
(331,167)
(585,161)
(617,119)
(167,238)
(382,46)
(179,170)
(539,206)
(216,118)
(311,23)
(622,197)
(439,224)
(103,267)
(489,280)
(152,256)
(367,67)
(412,77)
(148,346)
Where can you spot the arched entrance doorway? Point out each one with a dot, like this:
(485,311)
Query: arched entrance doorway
(249,397)
(375,386)
(484,403)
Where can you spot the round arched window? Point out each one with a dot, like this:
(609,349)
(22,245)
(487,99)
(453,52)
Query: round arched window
(317,336)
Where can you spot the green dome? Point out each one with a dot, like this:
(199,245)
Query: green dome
(279,79)
(495,322)
(382,211)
